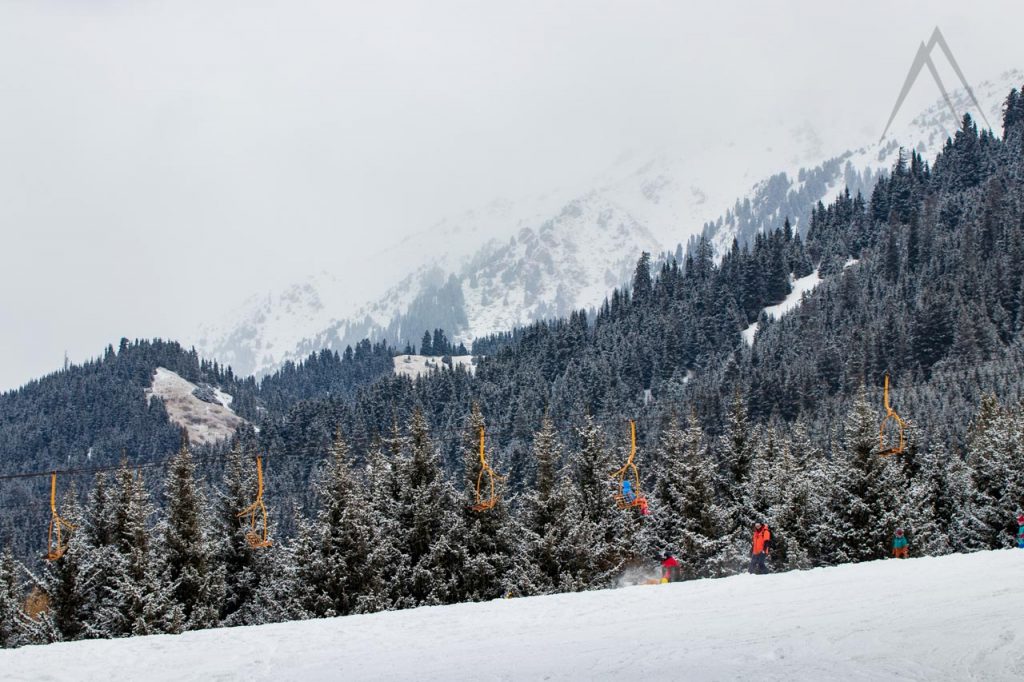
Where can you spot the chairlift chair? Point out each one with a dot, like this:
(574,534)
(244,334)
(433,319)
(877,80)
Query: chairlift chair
(630,472)
(257,539)
(55,547)
(890,416)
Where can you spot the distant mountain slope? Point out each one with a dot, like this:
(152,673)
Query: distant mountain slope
(509,263)
(794,192)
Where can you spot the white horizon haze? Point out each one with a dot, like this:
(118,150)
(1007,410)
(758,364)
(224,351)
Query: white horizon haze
(160,162)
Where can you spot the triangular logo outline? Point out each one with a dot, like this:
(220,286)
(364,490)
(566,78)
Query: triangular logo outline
(922,59)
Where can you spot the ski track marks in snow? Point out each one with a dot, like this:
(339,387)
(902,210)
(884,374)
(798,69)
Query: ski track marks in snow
(953,617)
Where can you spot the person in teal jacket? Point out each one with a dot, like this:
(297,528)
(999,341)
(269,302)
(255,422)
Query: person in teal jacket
(1020,530)
(899,545)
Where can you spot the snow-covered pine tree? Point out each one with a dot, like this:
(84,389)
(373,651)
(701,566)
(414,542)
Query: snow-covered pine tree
(792,511)
(386,560)
(575,547)
(765,480)
(737,448)
(135,601)
(190,559)
(258,581)
(66,582)
(993,447)
(99,560)
(542,509)
(614,531)
(432,530)
(965,530)
(1011,502)
(929,504)
(870,493)
(689,522)
(806,503)
(492,537)
(240,574)
(334,557)
(11,614)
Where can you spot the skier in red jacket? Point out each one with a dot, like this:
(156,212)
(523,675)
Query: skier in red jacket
(760,548)
(669,567)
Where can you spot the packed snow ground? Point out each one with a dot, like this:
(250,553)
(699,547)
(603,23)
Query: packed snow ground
(954,617)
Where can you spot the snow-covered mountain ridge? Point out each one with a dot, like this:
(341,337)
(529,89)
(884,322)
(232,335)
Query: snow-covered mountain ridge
(512,262)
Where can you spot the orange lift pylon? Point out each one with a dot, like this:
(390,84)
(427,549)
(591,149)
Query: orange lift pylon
(55,550)
(628,493)
(483,504)
(890,415)
(257,539)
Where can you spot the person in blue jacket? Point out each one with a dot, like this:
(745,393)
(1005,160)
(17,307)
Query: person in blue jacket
(627,491)
(1020,530)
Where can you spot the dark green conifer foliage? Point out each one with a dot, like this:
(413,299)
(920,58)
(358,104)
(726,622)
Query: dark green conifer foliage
(190,559)
(334,559)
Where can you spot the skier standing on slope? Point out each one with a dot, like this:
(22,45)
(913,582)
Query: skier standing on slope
(669,568)
(899,545)
(759,551)
(1020,530)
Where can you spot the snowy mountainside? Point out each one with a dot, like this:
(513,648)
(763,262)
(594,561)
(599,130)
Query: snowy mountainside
(203,411)
(795,190)
(512,262)
(529,268)
(950,617)
(331,309)
(568,262)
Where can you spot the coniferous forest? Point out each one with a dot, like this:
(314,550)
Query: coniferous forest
(371,479)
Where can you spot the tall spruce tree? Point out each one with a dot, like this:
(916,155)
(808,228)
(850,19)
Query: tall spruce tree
(190,559)
(11,614)
(870,493)
(432,530)
(66,581)
(334,561)
(993,452)
(495,562)
(543,508)
(617,542)
(134,601)
(258,580)
(689,521)
(387,559)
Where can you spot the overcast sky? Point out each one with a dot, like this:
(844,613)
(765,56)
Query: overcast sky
(161,160)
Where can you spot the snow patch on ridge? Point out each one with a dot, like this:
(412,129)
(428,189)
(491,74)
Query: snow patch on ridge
(415,366)
(205,422)
(800,287)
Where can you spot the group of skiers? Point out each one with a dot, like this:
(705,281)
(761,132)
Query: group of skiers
(762,544)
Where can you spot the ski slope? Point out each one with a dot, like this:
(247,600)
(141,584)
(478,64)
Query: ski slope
(954,617)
